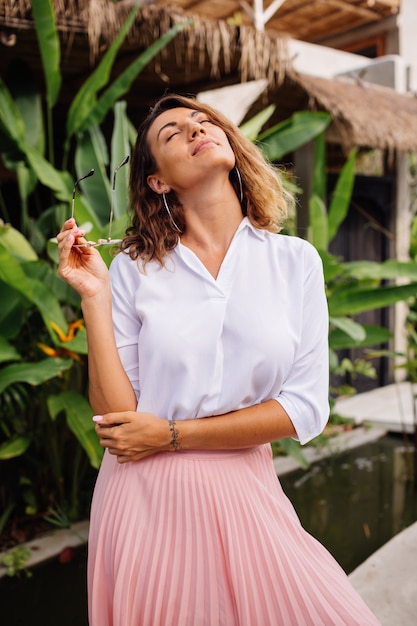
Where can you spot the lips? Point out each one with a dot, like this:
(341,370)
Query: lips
(203,144)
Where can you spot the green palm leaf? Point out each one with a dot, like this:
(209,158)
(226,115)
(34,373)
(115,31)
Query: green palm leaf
(49,47)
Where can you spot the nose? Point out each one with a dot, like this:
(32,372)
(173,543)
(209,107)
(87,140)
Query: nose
(196,129)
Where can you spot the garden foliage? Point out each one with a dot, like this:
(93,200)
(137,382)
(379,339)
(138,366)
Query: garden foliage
(48,449)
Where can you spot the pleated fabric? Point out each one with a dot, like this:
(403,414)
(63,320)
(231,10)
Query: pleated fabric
(209,539)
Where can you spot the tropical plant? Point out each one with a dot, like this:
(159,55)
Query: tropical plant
(48,449)
(352,287)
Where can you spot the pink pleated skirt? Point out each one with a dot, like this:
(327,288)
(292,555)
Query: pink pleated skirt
(208,539)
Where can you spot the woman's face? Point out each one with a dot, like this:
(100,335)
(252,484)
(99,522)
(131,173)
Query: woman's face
(186,146)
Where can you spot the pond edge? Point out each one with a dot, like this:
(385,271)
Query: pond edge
(52,543)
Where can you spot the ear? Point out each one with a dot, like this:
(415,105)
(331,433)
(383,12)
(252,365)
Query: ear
(157,185)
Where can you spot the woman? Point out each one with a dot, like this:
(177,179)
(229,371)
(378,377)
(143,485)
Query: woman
(215,316)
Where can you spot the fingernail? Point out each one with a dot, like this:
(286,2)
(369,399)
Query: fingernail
(97,418)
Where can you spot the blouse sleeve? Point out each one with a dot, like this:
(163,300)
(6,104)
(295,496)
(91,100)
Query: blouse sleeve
(305,392)
(126,322)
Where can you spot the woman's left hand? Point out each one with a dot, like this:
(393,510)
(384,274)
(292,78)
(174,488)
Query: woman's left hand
(132,436)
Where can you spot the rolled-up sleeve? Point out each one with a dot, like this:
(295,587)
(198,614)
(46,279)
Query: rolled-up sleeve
(305,392)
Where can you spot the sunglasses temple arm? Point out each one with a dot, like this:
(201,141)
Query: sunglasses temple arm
(111,211)
(113,193)
(90,173)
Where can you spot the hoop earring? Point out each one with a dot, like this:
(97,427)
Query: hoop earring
(239,178)
(164,200)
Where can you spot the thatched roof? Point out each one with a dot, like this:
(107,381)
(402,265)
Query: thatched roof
(205,53)
(314,21)
(211,54)
(364,114)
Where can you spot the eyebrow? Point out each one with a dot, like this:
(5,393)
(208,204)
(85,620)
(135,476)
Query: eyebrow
(193,113)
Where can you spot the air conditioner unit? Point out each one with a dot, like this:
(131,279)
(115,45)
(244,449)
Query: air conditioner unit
(389,71)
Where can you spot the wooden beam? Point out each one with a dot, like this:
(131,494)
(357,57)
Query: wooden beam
(272,9)
(260,16)
(393,4)
(343,5)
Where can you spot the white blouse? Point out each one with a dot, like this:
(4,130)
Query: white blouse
(194,346)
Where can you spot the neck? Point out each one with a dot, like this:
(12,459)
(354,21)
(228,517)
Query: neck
(212,215)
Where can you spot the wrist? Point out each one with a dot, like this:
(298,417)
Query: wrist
(174,443)
(97,301)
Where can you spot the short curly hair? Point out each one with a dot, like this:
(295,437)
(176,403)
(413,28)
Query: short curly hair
(152,234)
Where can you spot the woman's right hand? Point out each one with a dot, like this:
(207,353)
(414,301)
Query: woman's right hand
(80,266)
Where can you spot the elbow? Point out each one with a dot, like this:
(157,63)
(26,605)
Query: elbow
(309,418)
(313,424)
(101,404)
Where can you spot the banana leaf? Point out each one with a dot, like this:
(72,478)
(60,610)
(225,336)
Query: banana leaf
(341,196)
(28,102)
(13,447)
(35,291)
(332,266)
(122,84)
(318,223)
(91,152)
(349,327)
(10,116)
(7,351)
(60,182)
(85,100)
(374,336)
(33,373)
(252,127)
(11,312)
(319,182)
(44,272)
(27,98)
(48,40)
(351,302)
(13,124)
(120,148)
(293,133)
(16,244)
(79,419)
(388,270)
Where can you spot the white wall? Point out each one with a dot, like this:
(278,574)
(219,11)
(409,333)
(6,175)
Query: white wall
(407,24)
(400,32)
(388,71)
(309,58)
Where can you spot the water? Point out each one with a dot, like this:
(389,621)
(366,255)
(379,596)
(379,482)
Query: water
(353,503)
(356,501)
(55,595)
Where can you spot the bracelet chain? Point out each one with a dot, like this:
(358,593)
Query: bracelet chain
(174,443)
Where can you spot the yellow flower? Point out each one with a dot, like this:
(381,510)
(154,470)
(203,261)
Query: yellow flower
(48,350)
(72,327)
(60,352)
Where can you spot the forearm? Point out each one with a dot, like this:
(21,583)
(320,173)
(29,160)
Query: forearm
(243,428)
(132,436)
(109,386)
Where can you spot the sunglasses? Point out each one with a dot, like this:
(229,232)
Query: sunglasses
(108,240)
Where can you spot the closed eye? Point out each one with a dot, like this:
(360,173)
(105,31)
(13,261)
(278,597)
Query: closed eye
(177,130)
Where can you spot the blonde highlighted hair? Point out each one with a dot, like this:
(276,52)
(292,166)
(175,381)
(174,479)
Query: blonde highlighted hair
(152,234)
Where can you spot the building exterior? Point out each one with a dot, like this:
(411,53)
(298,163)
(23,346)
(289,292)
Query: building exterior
(356,59)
